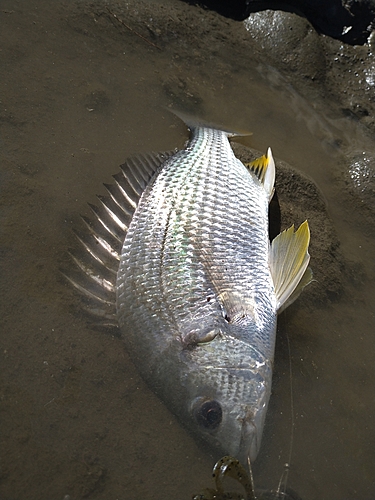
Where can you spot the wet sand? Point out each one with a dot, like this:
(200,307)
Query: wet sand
(81,90)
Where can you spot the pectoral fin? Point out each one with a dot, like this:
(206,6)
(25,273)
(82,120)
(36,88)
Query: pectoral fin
(235,307)
(289,258)
(306,279)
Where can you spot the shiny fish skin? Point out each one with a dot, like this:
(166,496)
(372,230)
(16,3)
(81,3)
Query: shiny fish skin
(195,297)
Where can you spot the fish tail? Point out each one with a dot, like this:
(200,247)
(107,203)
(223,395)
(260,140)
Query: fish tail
(193,122)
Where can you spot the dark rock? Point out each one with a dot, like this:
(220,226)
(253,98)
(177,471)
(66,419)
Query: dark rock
(290,41)
(348,20)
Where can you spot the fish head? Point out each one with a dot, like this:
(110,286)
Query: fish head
(228,405)
(234,431)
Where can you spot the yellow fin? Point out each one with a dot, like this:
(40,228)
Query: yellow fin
(289,258)
(264,168)
(306,279)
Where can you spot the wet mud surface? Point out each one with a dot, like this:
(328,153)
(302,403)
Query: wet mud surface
(84,86)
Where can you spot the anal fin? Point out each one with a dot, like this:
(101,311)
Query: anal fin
(264,169)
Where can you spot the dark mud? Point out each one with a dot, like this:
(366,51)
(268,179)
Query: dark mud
(85,85)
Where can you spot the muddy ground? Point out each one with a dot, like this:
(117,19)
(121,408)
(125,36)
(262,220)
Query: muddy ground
(85,85)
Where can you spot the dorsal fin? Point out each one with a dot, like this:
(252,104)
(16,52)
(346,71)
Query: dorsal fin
(289,258)
(138,170)
(264,168)
(97,264)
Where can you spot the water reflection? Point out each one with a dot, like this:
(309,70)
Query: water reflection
(362,173)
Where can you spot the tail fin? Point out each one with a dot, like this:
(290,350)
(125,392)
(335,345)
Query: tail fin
(193,122)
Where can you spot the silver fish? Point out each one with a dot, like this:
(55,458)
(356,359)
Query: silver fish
(183,246)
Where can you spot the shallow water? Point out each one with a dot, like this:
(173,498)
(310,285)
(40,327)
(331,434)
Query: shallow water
(83,94)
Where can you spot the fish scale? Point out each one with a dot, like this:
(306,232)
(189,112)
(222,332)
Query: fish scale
(199,240)
(198,284)
(227,192)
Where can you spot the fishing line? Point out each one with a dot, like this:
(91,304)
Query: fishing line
(251,477)
(281,489)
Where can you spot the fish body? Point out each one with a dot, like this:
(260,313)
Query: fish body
(195,296)
(197,292)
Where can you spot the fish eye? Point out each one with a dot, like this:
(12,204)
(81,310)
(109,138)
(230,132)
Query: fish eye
(209,414)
